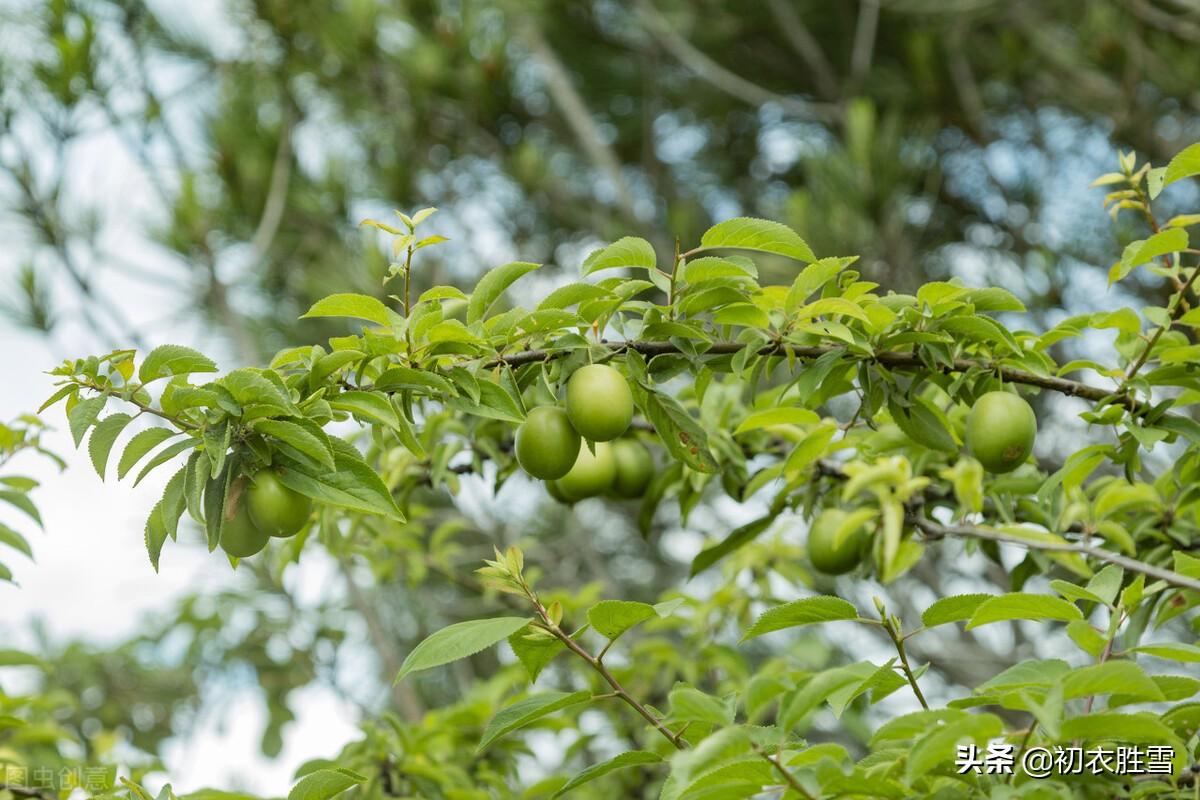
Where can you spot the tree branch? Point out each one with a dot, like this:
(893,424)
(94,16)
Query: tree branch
(895,360)
(596,664)
(806,46)
(718,76)
(576,112)
(933,531)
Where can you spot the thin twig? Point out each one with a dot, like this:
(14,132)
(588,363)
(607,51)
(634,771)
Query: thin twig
(898,640)
(596,664)
(894,360)
(709,71)
(933,531)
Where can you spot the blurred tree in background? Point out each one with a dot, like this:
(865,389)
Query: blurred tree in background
(936,138)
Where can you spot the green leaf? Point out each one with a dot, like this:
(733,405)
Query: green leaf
(172,359)
(815,691)
(748,233)
(494,402)
(356,306)
(938,746)
(301,438)
(325,783)
(776,416)
(952,609)
(141,444)
(406,378)
(155,534)
(15,540)
(679,432)
(627,252)
(1185,164)
(21,501)
(689,704)
(1111,677)
(83,415)
(611,618)
(165,455)
(492,285)
(103,437)
(531,709)
(459,641)
(572,294)
(746,315)
(17,658)
(922,424)
(352,485)
(1173,651)
(1020,605)
(534,652)
(630,759)
(1126,728)
(737,538)
(807,611)
(1146,250)
(366,406)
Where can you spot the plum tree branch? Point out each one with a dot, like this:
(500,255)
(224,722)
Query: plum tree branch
(596,664)
(893,359)
(933,531)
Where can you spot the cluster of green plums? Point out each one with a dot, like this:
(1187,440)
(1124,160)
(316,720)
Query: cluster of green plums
(1000,431)
(264,509)
(599,408)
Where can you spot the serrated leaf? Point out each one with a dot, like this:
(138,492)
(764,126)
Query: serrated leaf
(15,540)
(165,455)
(611,618)
(526,711)
(1111,677)
(366,406)
(1144,251)
(1021,605)
(749,233)
(1172,651)
(172,359)
(679,432)
(737,538)
(492,285)
(21,501)
(776,416)
(353,485)
(952,609)
(301,438)
(141,444)
(459,641)
(629,251)
(104,435)
(689,704)
(808,611)
(81,417)
(1185,164)
(356,306)
(325,783)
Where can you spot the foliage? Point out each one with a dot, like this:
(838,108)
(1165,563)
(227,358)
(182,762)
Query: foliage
(824,392)
(15,490)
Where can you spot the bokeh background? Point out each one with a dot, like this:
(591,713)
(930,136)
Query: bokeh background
(194,172)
